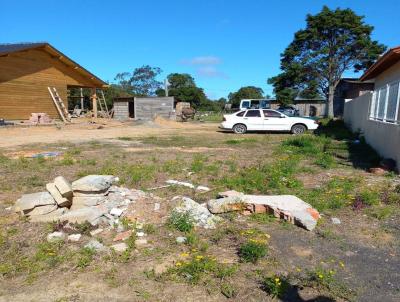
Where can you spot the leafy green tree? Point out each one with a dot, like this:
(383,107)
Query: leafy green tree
(179,80)
(248,92)
(141,82)
(334,41)
(183,87)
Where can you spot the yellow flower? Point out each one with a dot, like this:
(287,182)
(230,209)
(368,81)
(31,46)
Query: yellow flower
(178,264)
(341,263)
(194,250)
(267,235)
(279,283)
(298,269)
(321,276)
(199,257)
(184,255)
(276,280)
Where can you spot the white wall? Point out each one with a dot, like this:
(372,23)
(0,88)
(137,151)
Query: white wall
(383,137)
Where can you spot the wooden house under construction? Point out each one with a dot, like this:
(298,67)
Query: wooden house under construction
(27,71)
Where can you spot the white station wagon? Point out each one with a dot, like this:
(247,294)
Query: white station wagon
(266,120)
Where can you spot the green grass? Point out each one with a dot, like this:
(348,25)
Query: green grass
(252,251)
(182,222)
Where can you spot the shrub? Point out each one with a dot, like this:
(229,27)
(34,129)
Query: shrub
(275,286)
(181,221)
(85,257)
(252,251)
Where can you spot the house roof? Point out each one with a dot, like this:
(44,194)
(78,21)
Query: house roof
(387,60)
(6,49)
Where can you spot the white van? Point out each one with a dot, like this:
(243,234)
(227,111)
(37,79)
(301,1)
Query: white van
(255,104)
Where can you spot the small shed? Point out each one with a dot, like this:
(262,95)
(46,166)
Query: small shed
(26,72)
(143,108)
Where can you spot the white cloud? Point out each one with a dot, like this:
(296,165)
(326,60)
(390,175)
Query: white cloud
(202,60)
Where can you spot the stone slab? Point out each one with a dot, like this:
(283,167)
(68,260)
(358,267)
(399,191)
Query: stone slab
(55,193)
(93,183)
(63,186)
(30,201)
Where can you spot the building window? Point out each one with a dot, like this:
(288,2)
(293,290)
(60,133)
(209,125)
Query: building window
(385,104)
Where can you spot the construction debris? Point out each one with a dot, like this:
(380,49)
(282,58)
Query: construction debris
(40,118)
(199,213)
(287,207)
(187,184)
(92,198)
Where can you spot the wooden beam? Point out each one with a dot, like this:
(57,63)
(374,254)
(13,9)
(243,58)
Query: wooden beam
(94,102)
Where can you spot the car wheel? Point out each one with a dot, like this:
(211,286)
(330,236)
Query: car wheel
(298,129)
(239,128)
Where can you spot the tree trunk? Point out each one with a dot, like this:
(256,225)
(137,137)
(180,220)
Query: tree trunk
(329,107)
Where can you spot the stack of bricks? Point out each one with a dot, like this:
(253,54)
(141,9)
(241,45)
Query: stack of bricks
(40,118)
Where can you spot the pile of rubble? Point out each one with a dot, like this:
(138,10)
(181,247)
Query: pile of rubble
(97,200)
(93,198)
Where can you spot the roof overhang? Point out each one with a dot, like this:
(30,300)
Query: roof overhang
(56,54)
(391,57)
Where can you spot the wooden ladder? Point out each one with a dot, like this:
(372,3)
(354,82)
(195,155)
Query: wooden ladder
(103,104)
(59,104)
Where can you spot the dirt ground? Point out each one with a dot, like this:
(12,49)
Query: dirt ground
(356,260)
(81,130)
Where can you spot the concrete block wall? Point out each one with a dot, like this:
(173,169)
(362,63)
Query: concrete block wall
(121,110)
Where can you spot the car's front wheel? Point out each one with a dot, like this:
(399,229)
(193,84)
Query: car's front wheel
(298,129)
(239,129)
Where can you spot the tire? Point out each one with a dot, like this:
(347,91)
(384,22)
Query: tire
(298,129)
(239,128)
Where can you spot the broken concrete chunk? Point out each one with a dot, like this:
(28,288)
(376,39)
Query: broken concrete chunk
(55,193)
(199,213)
(74,237)
(96,232)
(140,242)
(96,245)
(288,207)
(120,247)
(203,189)
(116,212)
(187,184)
(93,183)
(89,214)
(63,186)
(30,201)
(41,210)
(181,239)
(55,236)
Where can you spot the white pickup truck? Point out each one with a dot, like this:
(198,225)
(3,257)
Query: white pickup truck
(266,120)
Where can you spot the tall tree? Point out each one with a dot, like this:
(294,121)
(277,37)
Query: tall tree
(183,88)
(334,41)
(141,82)
(248,92)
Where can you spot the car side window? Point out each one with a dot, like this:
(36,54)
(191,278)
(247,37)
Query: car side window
(246,104)
(271,113)
(241,113)
(253,113)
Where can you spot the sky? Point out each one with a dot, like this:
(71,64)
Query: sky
(224,45)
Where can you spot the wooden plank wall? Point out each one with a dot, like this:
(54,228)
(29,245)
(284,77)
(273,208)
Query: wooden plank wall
(24,78)
(148,108)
